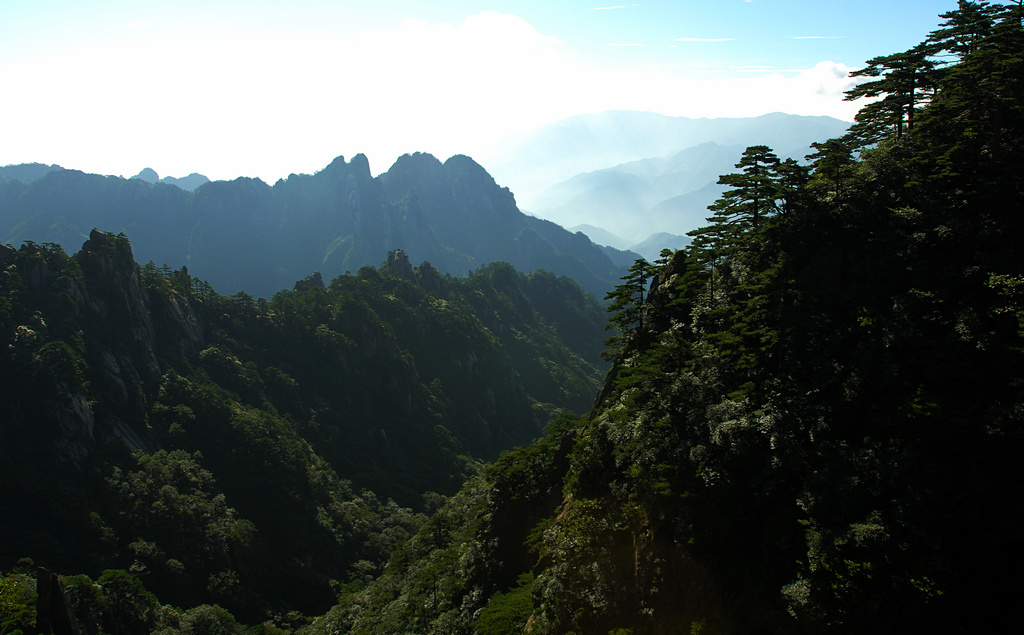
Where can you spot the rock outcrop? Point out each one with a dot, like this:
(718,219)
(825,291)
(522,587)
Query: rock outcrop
(88,365)
(315,281)
(398,264)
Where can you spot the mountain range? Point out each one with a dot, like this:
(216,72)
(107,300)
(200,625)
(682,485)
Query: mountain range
(635,174)
(631,181)
(245,235)
(811,421)
(190,182)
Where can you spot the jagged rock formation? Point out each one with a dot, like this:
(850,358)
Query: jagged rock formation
(104,295)
(189,183)
(54,614)
(398,264)
(313,281)
(245,235)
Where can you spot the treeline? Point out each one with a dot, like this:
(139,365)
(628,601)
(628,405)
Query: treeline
(257,455)
(813,421)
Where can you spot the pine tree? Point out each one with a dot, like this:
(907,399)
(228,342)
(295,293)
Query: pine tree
(963,30)
(762,189)
(629,308)
(834,166)
(904,82)
(754,190)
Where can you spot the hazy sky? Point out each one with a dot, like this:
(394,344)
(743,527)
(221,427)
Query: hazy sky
(265,88)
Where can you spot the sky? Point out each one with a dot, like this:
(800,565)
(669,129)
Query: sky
(265,88)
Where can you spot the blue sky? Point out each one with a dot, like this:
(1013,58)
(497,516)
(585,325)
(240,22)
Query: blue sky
(264,88)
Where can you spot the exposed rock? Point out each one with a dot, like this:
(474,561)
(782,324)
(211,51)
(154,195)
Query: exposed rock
(429,278)
(315,281)
(124,352)
(187,327)
(53,608)
(107,263)
(398,264)
(244,235)
(76,422)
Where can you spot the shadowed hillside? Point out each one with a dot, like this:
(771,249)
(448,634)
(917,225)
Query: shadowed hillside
(245,235)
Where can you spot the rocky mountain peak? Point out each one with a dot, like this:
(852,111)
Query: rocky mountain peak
(398,264)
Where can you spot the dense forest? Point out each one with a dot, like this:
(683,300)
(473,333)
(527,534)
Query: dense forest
(260,455)
(812,421)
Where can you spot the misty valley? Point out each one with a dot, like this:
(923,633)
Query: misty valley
(770,380)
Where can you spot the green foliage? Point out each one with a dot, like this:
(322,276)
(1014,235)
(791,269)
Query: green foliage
(472,554)
(17,604)
(507,612)
(819,431)
(206,620)
(753,191)
(322,407)
(125,605)
(812,424)
(629,309)
(58,363)
(904,82)
(177,526)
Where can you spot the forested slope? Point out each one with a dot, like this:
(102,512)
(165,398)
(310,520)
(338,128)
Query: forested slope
(260,454)
(814,420)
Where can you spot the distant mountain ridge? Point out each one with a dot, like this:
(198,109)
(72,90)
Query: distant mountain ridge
(29,172)
(623,251)
(190,182)
(245,235)
(26,172)
(640,173)
(553,153)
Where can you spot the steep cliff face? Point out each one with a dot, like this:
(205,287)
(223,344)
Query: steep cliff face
(82,347)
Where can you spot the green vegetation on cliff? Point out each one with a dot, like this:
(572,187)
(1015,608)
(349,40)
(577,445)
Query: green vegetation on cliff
(813,423)
(262,455)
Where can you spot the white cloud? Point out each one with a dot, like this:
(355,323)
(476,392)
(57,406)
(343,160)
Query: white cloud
(269,104)
(265,105)
(716,92)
